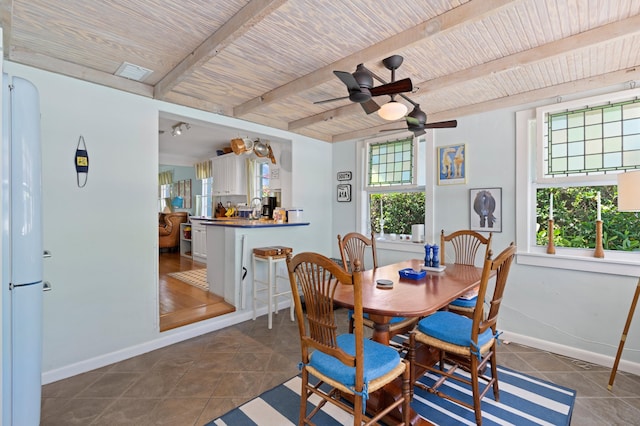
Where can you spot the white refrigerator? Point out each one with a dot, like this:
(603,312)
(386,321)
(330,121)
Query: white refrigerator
(22,284)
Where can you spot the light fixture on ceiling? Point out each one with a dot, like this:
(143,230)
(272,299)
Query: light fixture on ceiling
(392,110)
(177,129)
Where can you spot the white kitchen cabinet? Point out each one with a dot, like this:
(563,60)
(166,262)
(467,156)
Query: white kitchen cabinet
(199,242)
(229,175)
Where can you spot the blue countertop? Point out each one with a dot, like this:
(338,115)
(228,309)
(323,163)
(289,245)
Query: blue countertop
(246,223)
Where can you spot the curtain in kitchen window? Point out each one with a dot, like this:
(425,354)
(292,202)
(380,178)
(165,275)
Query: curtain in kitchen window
(251,180)
(165,178)
(204,170)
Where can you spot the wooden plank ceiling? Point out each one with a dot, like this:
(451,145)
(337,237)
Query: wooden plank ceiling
(268,61)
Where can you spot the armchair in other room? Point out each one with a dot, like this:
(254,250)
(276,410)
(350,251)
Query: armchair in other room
(169,229)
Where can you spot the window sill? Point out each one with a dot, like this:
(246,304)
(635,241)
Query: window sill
(400,245)
(627,263)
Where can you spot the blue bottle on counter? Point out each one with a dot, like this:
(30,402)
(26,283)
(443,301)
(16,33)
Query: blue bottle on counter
(427,255)
(435,256)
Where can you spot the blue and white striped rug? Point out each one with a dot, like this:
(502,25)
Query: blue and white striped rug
(524,400)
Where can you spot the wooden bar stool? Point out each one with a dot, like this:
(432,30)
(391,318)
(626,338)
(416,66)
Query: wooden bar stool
(272,256)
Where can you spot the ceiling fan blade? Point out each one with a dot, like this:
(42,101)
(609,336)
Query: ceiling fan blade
(441,124)
(370,106)
(419,132)
(331,100)
(348,79)
(399,86)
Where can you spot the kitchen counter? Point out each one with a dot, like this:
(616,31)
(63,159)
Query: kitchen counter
(249,223)
(230,244)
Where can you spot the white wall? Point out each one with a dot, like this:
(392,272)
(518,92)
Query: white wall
(103,237)
(574,313)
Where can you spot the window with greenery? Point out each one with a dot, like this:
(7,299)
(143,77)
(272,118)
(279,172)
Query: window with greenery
(395,188)
(574,215)
(399,210)
(582,145)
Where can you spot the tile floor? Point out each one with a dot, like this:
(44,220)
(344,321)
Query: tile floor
(193,382)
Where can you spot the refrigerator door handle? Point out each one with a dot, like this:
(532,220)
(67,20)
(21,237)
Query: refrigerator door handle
(46,254)
(46,286)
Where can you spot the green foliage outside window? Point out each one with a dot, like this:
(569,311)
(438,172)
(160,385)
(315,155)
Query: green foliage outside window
(574,215)
(400,211)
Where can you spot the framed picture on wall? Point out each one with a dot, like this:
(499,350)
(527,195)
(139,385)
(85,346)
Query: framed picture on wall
(344,175)
(452,164)
(485,211)
(344,192)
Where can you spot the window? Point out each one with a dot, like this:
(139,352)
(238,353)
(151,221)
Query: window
(394,187)
(207,197)
(260,173)
(577,149)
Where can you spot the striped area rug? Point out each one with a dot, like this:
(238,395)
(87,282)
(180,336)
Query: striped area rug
(524,400)
(195,277)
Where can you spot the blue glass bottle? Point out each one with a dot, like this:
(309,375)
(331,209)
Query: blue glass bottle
(435,256)
(427,255)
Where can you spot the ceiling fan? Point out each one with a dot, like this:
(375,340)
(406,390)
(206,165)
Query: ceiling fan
(361,90)
(417,121)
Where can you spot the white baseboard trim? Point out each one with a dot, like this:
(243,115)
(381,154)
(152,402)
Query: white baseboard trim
(592,357)
(166,338)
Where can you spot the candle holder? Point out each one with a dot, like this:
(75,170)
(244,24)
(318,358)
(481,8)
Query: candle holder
(599,252)
(551,248)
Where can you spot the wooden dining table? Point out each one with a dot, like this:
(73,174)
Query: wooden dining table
(407,298)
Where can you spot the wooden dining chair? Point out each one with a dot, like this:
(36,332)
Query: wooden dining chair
(349,364)
(465,343)
(466,244)
(353,246)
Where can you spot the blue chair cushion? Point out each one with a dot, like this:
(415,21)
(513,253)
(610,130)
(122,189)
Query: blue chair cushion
(379,359)
(452,328)
(465,303)
(366,315)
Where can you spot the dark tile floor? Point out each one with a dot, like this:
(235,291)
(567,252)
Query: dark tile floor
(193,382)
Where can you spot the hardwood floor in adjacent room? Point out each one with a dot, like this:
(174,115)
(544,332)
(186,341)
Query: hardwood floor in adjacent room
(181,303)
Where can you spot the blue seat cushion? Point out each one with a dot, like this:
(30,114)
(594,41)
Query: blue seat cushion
(379,359)
(465,303)
(451,328)
(366,315)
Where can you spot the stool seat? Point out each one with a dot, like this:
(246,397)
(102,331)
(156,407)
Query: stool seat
(272,256)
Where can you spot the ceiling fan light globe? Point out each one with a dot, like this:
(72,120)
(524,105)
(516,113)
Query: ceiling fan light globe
(392,111)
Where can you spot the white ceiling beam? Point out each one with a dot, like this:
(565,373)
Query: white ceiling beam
(70,69)
(468,12)
(6,21)
(238,25)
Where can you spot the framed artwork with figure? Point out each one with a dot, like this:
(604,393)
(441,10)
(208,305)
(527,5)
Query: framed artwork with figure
(485,211)
(452,164)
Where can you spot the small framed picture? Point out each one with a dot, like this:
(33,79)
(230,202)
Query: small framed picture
(452,164)
(344,192)
(344,175)
(485,211)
